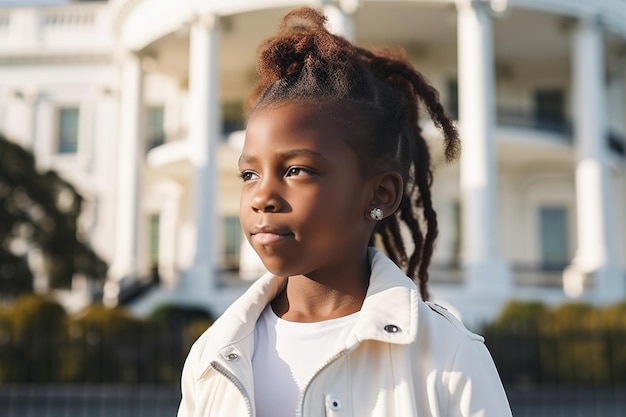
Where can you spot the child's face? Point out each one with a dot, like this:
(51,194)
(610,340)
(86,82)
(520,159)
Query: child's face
(304,199)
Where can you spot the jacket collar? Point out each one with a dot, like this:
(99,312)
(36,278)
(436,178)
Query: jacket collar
(388,314)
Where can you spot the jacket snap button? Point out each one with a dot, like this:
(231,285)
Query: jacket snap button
(232,357)
(391,328)
(335,404)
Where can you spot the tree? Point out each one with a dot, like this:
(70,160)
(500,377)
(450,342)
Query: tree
(39,211)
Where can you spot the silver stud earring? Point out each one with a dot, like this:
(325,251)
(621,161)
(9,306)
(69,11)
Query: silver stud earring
(376,214)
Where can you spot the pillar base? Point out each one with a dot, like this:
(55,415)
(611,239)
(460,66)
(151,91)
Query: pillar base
(486,289)
(489,288)
(488,277)
(197,285)
(603,285)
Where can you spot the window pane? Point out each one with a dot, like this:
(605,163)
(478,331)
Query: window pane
(154,239)
(452,89)
(550,109)
(68,130)
(231,245)
(155,129)
(232,117)
(457,237)
(554,237)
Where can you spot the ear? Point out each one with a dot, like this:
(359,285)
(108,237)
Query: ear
(387,189)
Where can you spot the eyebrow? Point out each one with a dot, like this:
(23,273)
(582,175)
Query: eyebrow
(285,156)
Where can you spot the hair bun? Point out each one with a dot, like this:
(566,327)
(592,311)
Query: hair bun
(303,44)
(304,19)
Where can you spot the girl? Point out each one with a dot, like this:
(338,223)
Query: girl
(333,162)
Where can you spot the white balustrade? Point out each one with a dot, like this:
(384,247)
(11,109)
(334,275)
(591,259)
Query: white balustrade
(56,29)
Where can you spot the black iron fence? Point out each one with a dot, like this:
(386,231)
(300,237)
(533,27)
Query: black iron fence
(594,358)
(581,374)
(92,400)
(103,362)
(162,401)
(41,344)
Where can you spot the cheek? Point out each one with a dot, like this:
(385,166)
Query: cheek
(332,209)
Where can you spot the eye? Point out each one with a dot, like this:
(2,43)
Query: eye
(298,171)
(248,176)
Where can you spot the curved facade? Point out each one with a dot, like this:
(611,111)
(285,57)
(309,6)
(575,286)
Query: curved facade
(534,209)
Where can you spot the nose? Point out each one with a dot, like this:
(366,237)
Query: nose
(266,198)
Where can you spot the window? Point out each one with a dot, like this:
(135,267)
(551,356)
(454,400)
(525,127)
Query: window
(452,90)
(68,130)
(153,228)
(232,117)
(553,235)
(155,128)
(457,236)
(550,110)
(231,244)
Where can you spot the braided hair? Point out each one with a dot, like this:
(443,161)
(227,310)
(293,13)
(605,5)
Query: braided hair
(384,95)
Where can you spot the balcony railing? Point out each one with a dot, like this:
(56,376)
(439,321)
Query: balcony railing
(507,116)
(72,28)
(511,117)
(516,117)
(546,276)
(549,275)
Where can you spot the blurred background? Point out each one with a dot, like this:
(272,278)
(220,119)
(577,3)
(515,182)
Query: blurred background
(120,125)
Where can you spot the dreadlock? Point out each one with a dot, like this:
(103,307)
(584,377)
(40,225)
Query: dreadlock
(382,91)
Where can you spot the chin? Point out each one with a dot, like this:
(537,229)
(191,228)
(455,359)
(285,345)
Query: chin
(281,267)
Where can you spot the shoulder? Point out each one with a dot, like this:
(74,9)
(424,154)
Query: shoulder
(443,335)
(433,313)
(447,321)
(464,369)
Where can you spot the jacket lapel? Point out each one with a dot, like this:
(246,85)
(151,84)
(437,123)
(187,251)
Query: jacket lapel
(388,314)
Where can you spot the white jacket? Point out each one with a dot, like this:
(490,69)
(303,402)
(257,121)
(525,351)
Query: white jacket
(403,358)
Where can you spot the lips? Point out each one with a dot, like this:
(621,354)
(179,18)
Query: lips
(268,235)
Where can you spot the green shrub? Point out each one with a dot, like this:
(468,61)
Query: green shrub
(574,348)
(193,331)
(104,346)
(7,350)
(173,330)
(170,314)
(614,318)
(575,343)
(521,316)
(35,329)
(513,341)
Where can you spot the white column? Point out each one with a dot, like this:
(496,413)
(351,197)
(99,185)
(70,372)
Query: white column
(340,20)
(126,252)
(485,270)
(45,131)
(204,135)
(169,219)
(32,99)
(596,255)
(18,114)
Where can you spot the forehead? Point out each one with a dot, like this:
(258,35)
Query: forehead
(307,125)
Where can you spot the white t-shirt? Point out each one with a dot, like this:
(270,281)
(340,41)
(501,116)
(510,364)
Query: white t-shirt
(287,354)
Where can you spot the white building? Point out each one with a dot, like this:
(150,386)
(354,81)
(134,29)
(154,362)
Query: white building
(139,103)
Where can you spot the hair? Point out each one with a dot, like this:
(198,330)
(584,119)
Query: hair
(383,94)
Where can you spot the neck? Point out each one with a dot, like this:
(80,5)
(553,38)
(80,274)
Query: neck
(324,294)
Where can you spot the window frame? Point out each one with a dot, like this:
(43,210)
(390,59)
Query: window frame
(59,131)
